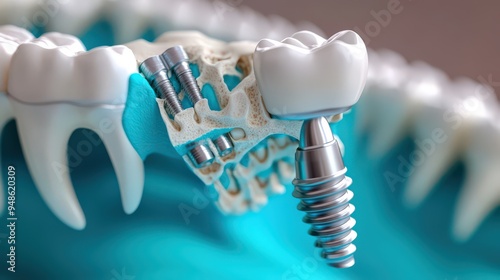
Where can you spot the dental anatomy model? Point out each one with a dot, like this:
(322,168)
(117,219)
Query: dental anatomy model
(241,135)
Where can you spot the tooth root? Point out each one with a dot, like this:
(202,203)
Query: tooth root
(480,195)
(426,176)
(44,133)
(5,116)
(128,165)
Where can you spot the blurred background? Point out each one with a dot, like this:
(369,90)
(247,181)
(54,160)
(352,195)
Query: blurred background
(460,37)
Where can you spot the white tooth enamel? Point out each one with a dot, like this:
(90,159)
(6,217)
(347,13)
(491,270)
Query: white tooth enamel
(335,69)
(15,34)
(57,89)
(109,65)
(63,42)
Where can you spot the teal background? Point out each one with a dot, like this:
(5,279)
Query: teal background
(156,242)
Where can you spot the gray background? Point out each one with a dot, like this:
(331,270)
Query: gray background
(460,37)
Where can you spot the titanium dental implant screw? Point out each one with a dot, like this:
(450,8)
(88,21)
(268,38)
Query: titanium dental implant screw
(321,185)
(155,73)
(177,60)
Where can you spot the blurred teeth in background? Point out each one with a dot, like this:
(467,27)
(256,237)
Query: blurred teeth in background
(260,164)
(449,121)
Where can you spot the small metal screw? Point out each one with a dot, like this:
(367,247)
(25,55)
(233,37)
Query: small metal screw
(155,72)
(177,60)
(224,145)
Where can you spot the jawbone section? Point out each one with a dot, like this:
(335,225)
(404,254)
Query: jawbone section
(261,163)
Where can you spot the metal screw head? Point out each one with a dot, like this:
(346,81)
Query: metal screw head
(151,67)
(201,156)
(174,56)
(224,145)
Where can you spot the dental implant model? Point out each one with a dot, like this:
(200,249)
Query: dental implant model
(154,70)
(305,77)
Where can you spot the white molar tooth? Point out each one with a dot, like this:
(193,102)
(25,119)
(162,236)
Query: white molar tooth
(281,77)
(109,65)
(66,91)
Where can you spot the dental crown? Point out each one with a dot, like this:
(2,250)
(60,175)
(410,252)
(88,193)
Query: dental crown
(316,77)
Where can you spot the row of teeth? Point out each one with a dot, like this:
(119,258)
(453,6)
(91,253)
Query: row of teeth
(385,84)
(131,19)
(449,121)
(91,92)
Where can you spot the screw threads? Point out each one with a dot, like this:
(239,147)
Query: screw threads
(188,81)
(201,156)
(327,208)
(321,185)
(224,145)
(168,93)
